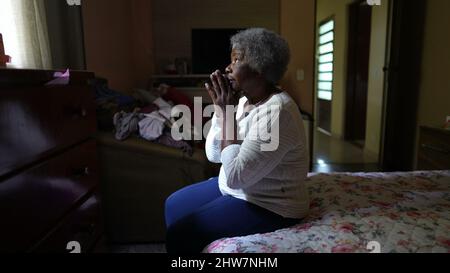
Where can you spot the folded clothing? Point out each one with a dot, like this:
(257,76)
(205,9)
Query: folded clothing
(151,127)
(109,102)
(126,124)
(152,122)
(165,109)
(167,140)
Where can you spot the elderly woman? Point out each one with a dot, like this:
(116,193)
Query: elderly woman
(260,188)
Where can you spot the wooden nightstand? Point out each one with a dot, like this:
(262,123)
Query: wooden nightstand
(434,149)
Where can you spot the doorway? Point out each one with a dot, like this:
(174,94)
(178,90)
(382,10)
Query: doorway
(359,36)
(349,99)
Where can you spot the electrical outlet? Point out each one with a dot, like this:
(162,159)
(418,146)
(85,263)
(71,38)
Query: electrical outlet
(300,75)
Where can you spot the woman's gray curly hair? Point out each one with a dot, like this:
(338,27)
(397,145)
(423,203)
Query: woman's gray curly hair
(264,51)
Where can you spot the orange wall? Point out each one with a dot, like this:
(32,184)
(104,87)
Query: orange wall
(298,27)
(172,28)
(118,41)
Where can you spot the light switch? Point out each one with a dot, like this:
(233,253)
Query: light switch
(300,75)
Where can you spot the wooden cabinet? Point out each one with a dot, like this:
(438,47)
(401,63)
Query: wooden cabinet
(434,149)
(48,163)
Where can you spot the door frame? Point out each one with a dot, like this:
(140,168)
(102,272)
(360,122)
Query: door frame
(402,84)
(317,102)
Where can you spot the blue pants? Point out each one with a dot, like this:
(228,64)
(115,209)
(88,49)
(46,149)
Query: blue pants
(199,214)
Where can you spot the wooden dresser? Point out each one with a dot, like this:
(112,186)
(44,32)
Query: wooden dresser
(48,163)
(434,149)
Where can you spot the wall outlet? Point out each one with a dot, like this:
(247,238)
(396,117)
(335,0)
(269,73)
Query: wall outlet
(300,75)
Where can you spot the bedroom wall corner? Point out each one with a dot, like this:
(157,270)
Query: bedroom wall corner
(434,96)
(118,41)
(434,103)
(173,21)
(297,26)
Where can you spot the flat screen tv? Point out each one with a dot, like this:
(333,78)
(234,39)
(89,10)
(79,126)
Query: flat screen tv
(211,49)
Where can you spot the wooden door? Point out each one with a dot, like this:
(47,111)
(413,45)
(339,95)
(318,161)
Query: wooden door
(360,23)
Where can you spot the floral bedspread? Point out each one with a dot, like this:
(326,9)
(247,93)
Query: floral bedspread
(361,213)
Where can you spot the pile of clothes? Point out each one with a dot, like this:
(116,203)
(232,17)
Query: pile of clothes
(146,114)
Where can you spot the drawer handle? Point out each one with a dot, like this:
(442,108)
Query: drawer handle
(82,172)
(76,112)
(435,149)
(83,113)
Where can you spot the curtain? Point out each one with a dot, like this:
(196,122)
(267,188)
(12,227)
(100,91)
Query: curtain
(25,33)
(65,27)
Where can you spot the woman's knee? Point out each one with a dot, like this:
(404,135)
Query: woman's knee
(187,200)
(170,207)
(171,202)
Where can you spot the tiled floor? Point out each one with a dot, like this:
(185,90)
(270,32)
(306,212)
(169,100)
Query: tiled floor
(331,150)
(329,168)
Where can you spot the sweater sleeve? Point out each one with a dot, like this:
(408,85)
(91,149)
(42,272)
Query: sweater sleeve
(213,144)
(268,141)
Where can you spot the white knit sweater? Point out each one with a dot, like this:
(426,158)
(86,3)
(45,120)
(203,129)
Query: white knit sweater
(273,179)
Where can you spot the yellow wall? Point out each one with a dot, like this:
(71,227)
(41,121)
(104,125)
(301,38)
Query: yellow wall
(376,77)
(118,41)
(174,19)
(434,104)
(338,9)
(297,27)
(434,97)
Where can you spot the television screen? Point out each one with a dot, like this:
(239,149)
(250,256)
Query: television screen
(211,49)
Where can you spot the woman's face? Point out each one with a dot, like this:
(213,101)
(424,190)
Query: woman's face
(239,73)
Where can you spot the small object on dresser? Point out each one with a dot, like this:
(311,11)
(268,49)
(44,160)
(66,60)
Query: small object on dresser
(434,149)
(60,78)
(182,66)
(4,59)
(447,124)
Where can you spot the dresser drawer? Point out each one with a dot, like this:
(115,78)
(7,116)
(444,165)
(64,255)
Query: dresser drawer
(35,124)
(434,149)
(32,202)
(82,227)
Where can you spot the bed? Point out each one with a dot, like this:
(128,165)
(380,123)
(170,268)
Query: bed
(362,213)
